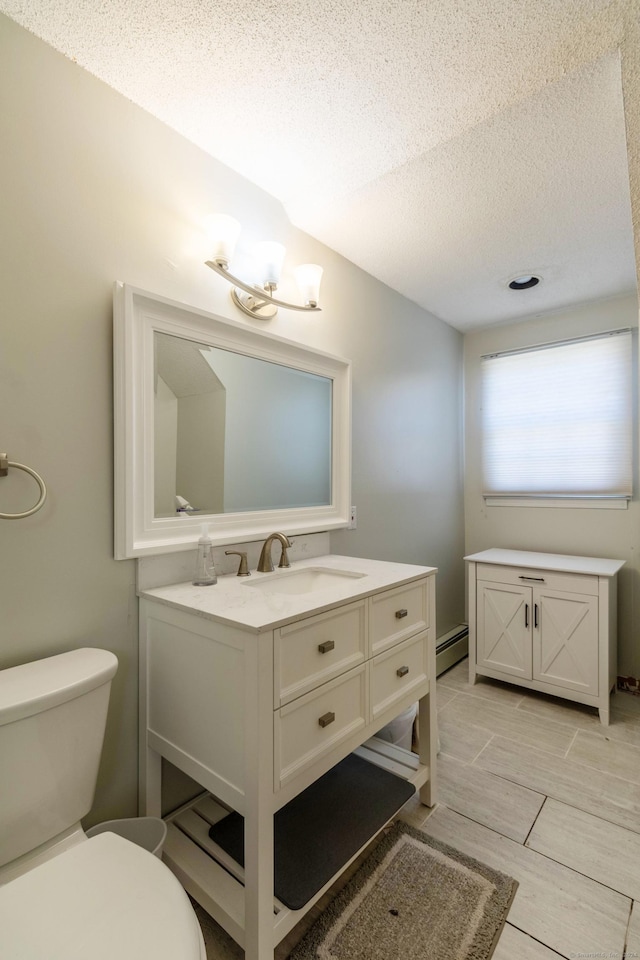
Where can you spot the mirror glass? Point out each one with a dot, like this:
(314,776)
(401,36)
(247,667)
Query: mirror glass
(222,423)
(234,433)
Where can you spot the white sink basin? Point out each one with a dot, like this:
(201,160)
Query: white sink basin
(304,580)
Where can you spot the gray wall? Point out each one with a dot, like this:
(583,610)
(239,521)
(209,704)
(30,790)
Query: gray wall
(592,532)
(95,190)
(407,470)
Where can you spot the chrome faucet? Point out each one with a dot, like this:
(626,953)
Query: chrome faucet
(265,563)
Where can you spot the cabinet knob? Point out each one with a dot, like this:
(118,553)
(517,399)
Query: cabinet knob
(402,671)
(326,646)
(326,719)
(401,613)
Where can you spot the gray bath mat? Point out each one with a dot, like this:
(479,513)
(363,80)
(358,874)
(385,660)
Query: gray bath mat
(414,898)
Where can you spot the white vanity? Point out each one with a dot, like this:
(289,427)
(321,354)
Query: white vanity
(545,621)
(256,687)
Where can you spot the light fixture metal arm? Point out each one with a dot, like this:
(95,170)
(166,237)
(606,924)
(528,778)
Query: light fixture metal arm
(257,291)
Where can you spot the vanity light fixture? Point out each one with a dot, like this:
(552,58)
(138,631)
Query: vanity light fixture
(255,300)
(524,282)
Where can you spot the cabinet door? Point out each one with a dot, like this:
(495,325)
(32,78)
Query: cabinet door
(565,650)
(504,628)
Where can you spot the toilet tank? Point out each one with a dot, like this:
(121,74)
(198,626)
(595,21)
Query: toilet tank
(52,719)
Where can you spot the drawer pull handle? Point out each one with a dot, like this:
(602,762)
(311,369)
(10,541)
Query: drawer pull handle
(401,613)
(402,671)
(537,579)
(326,646)
(326,719)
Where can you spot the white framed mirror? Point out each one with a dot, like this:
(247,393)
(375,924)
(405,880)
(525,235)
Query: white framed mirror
(218,423)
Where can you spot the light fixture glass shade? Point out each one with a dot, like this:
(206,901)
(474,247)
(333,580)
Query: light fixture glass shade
(223,232)
(308,276)
(269,258)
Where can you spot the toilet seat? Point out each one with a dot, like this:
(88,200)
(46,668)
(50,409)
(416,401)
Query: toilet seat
(106,899)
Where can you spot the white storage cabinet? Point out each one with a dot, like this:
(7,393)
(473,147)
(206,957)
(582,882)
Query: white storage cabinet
(545,621)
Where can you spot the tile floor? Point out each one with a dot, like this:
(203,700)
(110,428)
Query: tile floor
(536,787)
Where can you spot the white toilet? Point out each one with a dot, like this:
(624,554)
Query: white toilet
(64,896)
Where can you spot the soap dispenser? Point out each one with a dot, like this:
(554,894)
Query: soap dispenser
(205,573)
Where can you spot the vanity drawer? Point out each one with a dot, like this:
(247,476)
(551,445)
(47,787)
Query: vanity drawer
(312,651)
(535,577)
(398,672)
(313,725)
(397,614)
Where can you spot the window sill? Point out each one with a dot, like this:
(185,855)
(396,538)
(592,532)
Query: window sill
(591,503)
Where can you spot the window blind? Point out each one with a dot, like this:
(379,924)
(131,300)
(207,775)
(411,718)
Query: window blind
(557,419)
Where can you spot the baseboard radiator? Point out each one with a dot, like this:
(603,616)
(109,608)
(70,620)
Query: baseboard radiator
(451,647)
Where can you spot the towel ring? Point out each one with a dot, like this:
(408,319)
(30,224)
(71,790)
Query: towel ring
(4,469)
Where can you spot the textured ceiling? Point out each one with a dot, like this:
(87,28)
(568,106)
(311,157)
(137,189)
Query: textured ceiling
(443,146)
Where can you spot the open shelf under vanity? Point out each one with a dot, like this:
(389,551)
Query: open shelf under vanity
(217,881)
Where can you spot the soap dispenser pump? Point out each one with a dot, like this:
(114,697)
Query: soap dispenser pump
(205,574)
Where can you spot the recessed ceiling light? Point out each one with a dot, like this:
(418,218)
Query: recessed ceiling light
(523,283)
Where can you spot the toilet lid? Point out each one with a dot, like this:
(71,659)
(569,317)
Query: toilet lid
(106,899)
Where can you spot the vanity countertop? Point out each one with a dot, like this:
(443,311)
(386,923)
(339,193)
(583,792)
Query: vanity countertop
(237,601)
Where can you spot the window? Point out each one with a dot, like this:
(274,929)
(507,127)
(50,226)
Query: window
(557,419)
